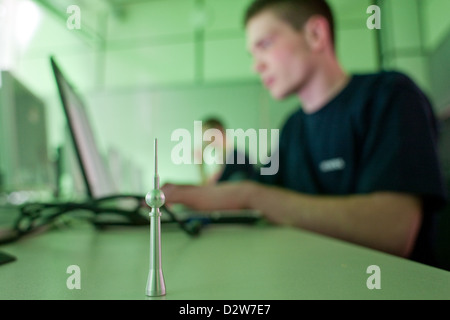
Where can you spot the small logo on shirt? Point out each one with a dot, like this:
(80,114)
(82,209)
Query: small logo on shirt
(330,165)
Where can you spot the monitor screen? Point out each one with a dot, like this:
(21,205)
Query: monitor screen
(24,162)
(95,173)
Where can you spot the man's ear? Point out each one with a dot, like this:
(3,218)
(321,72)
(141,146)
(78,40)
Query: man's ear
(317,33)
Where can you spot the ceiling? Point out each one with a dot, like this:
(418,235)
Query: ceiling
(140,43)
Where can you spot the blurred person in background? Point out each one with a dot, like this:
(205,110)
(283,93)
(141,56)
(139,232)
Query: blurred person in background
(231,168)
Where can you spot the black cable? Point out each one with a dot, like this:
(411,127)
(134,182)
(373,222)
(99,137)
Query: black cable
(35,216)
(193,228)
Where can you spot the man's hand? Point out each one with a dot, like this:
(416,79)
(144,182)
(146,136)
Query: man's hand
(224,196)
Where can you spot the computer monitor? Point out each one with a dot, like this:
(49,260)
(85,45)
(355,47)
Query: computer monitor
(24,160)
(94,171)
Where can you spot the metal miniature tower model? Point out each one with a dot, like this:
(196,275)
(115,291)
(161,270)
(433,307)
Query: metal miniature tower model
(155,199)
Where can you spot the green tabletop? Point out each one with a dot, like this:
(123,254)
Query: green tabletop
(230,262)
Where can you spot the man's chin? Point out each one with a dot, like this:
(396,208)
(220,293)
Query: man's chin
(279,95)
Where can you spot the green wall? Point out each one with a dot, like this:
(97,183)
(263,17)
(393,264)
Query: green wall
(148,68)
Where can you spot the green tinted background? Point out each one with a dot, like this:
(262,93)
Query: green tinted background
(146,68)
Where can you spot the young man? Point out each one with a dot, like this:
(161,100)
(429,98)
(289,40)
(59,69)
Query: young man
(357,162)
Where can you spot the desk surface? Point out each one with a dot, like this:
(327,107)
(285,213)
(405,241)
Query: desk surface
(224,262)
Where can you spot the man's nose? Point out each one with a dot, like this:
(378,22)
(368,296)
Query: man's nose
(259,66)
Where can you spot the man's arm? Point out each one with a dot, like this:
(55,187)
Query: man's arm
(385,221)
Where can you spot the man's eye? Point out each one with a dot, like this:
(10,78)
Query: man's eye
(265,43)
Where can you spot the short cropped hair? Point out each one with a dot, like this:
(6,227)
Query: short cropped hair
(214,122)
(294,12)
